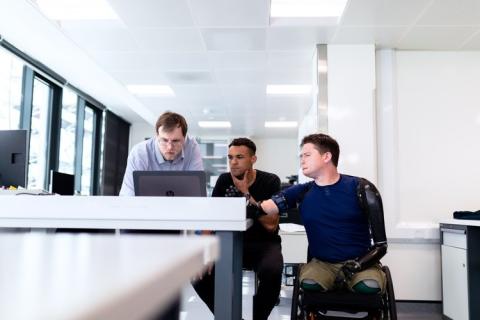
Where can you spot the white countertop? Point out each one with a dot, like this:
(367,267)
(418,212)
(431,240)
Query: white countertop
(96,276)
(108,212)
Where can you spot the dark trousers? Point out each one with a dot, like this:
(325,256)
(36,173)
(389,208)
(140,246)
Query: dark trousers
(265,258)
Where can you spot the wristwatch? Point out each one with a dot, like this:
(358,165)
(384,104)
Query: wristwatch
(247,196)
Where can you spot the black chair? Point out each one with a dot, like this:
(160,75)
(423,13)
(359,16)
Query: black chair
(310,305)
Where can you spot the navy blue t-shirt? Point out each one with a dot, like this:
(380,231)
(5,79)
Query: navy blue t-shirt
(337,229)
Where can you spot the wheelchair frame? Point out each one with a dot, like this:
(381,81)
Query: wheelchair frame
(311,305)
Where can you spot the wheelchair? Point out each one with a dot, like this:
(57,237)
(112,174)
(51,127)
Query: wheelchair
(312,305)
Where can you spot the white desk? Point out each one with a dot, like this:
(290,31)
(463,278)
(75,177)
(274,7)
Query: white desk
(225,215)
(460,268)
(96,276)
(294,245)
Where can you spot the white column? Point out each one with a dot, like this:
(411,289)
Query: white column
(351,107)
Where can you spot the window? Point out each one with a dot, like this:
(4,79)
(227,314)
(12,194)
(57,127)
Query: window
(87,153)
(67,132)
(10,90)
(37,164)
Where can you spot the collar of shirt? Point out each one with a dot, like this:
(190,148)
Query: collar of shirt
(158,154)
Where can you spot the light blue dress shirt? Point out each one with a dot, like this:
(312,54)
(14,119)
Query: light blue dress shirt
(146,156)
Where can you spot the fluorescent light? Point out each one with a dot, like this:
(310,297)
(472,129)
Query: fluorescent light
(281,124)
(214,124)
(307,8)
(151,90)
(288,89)
(77,9)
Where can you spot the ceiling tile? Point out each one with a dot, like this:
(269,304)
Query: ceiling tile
(436,38)
(289,76)
(182,39)
(290,59)
(246,76)
(153,13)
(230,13)
(452,12)
(100,35)
(234,39)
(297,38)
(189,77)
(140,77)
(145,61)
(383,37)
(237,60)
(382,12)
(199,95)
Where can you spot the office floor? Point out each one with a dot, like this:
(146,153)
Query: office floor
(193,307)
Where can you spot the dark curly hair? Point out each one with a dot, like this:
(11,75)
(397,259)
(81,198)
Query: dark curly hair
(237,142)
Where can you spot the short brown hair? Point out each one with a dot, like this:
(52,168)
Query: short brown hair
(323,143)
(171,120)
(238,142)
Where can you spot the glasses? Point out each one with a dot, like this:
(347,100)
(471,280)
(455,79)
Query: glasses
(165,142)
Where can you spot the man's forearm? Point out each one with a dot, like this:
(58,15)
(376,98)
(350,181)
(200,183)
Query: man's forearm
(269,207)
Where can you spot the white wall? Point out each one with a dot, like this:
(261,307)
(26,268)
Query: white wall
(279,156)
(351,107)
(139,131)
(428,128)
(438,133)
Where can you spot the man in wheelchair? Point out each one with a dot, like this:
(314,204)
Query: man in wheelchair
(343,218)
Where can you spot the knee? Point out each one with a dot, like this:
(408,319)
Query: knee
(270,272)
(367,286)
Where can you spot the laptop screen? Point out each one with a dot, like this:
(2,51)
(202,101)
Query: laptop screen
(170,183)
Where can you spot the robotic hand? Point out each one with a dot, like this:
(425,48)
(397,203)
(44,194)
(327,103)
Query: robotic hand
(346,272)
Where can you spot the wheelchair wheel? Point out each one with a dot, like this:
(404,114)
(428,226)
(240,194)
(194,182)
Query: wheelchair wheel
(390,296)
(297,312)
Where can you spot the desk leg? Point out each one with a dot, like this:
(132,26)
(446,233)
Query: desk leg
(228,276)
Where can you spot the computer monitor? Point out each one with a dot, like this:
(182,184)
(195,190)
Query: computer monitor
(170,183)
(62,183)
(13,158)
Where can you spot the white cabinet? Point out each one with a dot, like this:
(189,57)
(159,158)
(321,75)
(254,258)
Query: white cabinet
(455,282)
(460,269)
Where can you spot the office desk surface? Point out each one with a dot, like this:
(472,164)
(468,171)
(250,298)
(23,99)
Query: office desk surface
(105,212)
(96,277)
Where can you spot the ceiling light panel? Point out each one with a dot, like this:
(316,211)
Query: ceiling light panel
(307,8)
(151,90)
(77,9)
(281,124)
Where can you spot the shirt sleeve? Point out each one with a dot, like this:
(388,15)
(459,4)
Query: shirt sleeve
(275,185)
(133,164)
(195,162)
(293,194)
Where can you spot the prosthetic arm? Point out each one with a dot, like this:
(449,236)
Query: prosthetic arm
(371,204)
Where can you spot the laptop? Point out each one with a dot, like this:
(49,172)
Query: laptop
(170,183)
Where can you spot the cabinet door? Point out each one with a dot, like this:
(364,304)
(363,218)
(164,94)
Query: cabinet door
(454,283)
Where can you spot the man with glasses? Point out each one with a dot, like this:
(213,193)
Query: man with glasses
(170,149)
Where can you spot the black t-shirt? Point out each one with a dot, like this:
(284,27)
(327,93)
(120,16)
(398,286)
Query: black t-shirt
(263,188)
